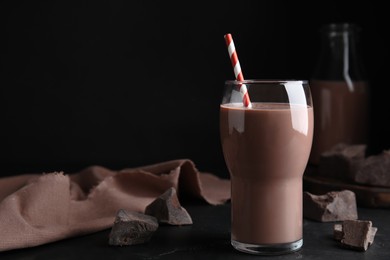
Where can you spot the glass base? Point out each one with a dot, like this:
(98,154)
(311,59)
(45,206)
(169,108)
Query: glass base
(268,249)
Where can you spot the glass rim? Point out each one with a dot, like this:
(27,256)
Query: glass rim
(265,81)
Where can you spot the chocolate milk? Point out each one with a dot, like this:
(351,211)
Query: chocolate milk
(266,150)
(341,115)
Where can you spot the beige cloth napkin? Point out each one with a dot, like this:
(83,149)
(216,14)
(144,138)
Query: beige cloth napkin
(40,208)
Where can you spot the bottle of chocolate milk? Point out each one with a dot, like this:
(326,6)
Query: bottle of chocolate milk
(339,90)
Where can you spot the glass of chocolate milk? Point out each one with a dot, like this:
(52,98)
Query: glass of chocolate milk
(266,149)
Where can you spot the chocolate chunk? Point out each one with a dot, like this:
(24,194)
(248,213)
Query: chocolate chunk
(167,209)
(355,234)
(348,163)
(338,232)
(341,161)
(332,206)
(131,228)
(374,170)
(371,237)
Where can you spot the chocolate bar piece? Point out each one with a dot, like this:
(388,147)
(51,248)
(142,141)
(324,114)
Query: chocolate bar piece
(131,228)
(355,234)
(341,161)
(338,232)
(374,170)
(167,209)
(332,206)
(349,163)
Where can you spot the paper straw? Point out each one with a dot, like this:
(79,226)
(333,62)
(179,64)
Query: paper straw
(237,69)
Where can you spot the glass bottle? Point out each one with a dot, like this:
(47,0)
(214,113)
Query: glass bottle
(340,90)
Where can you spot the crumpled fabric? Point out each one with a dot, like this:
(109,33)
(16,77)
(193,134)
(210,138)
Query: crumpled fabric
(36,209)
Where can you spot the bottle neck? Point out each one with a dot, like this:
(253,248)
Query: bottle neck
(339,58)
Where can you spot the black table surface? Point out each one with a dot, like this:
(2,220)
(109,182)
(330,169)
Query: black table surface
(209,238)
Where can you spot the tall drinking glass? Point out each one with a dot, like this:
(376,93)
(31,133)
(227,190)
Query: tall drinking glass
(266,149)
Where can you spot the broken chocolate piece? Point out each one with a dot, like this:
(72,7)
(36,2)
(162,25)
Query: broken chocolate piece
(355,234)
(341,161)
(167,209)
(131,228)
(374,170)
(349,163)
(338,232)
(332,206)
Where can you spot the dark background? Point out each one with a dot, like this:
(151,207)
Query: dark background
(128,83)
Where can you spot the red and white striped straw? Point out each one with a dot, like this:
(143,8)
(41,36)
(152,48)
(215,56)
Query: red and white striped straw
(237,69)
